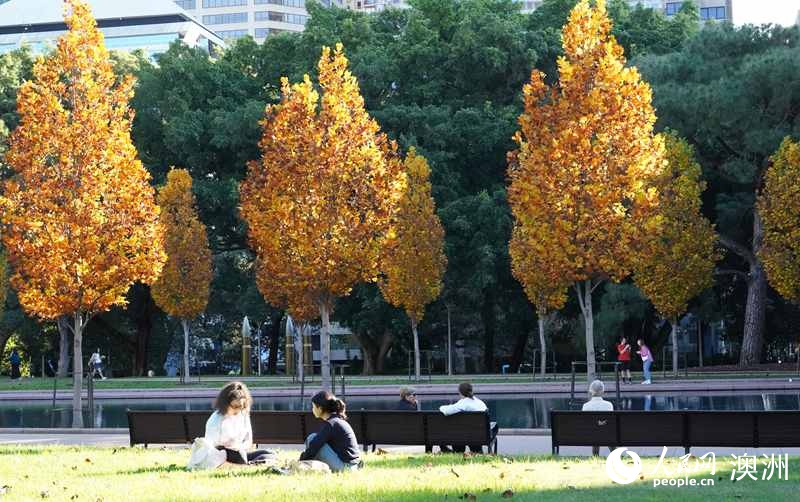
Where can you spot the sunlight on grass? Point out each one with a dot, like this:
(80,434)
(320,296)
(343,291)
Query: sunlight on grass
(155,474)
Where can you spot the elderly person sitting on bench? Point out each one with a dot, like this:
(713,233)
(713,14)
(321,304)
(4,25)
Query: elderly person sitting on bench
(597,403)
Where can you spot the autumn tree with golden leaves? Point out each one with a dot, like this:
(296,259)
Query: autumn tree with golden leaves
(543,284)
(319,201)
(779,207)
(581,181)
(183,288)
(80,221)
(413,260)
(679,261)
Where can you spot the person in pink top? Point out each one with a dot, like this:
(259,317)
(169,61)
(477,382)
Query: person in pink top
(647,360)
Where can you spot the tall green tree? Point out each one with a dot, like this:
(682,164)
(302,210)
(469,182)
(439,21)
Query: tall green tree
(733,93)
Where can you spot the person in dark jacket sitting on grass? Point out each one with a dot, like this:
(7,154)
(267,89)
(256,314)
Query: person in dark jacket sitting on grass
(335,444)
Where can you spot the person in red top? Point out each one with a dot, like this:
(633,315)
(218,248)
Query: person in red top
(624,356)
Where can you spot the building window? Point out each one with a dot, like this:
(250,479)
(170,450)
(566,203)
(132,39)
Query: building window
(281,17)
(673,8)
(299,4)
(236,17)
(265,32)
(223,3)
(708,13)
(232,34)
(187,4)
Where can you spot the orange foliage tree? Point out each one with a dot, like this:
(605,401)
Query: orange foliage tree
(680,258)
(80,221)
(543,284)
(413,260)
(581,180)
(183,288)
(319,201)
(779,207)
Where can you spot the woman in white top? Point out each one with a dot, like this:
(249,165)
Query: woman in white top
(468,402)
(229,428)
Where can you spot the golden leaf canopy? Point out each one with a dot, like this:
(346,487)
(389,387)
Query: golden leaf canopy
(183,288)
(319,201)
(679,260)
(779,209)
(582,182)
(80,222)
(413,260)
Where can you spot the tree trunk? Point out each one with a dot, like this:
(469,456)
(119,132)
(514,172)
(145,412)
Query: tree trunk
(63,346)
(369,352)
(298,336)
(77,369)
(518,352)
(143,318)
(754,316)
(584,291)
(386,343)
(542,346)
(325,346)
(487,313)
(416,348)
(274,343)
(700,343)
(674,347)
(185,371)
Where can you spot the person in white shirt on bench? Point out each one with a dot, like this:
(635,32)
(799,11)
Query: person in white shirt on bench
(597,403)
(468,402)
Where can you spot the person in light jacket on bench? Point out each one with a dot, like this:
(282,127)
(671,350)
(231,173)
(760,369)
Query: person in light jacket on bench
(597,403)
(468,402)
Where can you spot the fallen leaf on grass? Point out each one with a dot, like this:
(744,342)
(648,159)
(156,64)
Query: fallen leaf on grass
(507,494)
(88,460)
(502,475)
(74,467)
(565,467)
(468,496)
(455,473)
(381,451)
(468,454)
(74,497)
(44,494)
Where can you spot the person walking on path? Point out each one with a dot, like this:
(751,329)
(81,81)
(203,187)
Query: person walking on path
(624,357)
(15,361)
(647,360)
(96,364)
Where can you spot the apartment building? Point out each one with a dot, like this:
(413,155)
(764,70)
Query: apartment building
(150,25)
(232,19)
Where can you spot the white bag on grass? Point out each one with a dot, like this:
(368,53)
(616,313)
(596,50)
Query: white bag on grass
(205,456)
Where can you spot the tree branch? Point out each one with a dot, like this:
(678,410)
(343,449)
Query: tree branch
(726,271)
(737,248)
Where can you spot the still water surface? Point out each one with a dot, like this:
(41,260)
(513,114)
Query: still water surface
(522,411)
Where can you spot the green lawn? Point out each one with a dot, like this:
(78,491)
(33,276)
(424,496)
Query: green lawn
(121,474)
(276,382)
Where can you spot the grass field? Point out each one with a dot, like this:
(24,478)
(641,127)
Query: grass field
(128,474)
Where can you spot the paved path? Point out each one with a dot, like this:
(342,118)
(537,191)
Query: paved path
(508,444)
(753,385)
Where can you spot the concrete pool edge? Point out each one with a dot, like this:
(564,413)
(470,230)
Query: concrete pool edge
(533,388)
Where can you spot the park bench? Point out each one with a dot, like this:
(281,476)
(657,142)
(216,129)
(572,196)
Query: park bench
(372,427)
(689,428)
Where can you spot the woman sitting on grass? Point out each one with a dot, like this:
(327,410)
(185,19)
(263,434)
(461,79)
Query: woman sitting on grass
(335,444)
(228,428)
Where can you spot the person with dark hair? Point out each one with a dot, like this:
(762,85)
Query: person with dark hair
(624,357)
(335,444)
(408,399)
(15,361)
(229,427)
(468,402)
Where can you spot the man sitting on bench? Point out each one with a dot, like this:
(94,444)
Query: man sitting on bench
(468,402)
(597,403)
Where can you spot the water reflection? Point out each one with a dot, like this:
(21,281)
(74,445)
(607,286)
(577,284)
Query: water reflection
(525,411)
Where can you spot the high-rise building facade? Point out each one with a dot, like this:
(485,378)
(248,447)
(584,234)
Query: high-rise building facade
(232,19)
(149,25)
